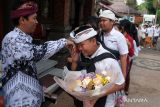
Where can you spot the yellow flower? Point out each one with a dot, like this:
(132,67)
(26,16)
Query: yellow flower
(104,80)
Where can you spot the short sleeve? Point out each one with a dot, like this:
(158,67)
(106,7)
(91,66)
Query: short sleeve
(115,72)
(122,45)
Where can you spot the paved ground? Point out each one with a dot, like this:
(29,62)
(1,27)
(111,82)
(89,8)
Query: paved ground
(144,88)
(145,80)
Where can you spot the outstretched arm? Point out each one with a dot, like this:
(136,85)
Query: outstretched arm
(73,59)
(28,51)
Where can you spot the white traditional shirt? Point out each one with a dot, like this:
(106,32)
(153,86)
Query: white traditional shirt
(156,32)
(19,55)
(150,31)
(144,31)
(113,70)
(116,41)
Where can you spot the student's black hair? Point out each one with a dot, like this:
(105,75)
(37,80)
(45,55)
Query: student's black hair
(93,21)
(131,29)
(81,28)
(15,21)
(119,27)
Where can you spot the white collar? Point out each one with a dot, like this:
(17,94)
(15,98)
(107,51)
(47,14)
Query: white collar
(97,51)
(111,32)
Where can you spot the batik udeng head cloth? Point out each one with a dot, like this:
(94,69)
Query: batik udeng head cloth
(82,33)
(25,9)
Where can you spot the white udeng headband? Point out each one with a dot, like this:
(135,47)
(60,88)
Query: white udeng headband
(83,35)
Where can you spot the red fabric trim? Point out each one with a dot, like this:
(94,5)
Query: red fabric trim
(131,49)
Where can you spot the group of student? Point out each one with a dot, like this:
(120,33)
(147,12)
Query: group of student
(106,45)
(114,44)
(148,35)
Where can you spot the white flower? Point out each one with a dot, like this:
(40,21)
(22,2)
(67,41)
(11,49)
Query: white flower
(108,78)
(98,86)
(86,81)
(104,72)
(97,81)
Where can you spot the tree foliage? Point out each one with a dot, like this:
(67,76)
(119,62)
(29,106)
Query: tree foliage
(156,4)
(142,7)
(131,3)
(151,9)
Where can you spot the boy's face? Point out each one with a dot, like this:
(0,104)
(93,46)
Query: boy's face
(87,47)
(106,24)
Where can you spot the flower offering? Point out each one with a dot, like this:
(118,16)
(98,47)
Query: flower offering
(90,81)
(84,85)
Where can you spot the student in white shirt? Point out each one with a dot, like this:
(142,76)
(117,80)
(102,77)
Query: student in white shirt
(84,37)
(149,37)
(113,39)
(156,35)
(143,35)
(150,31)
